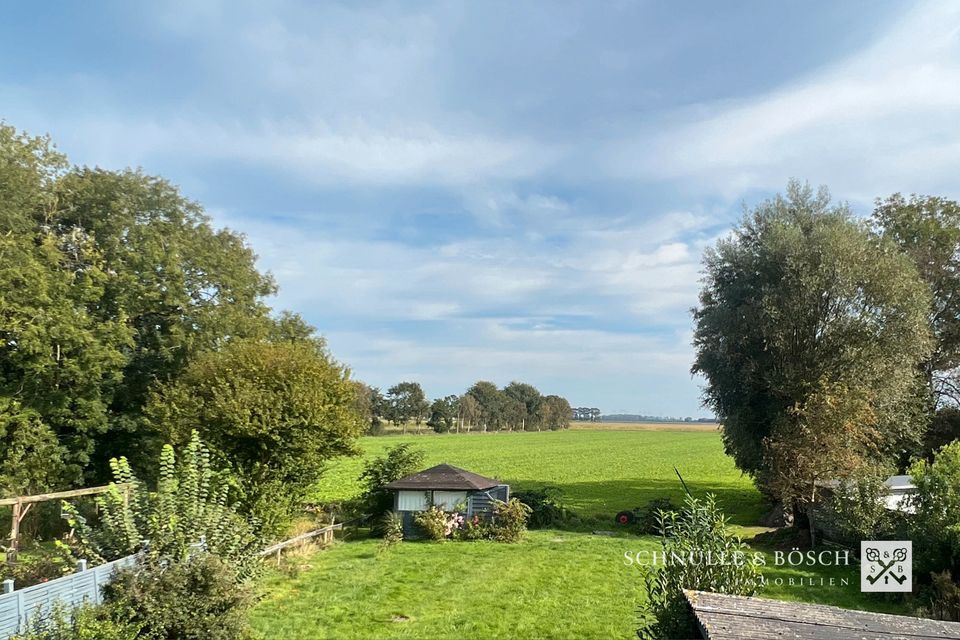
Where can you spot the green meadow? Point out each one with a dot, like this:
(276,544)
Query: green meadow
(572,583)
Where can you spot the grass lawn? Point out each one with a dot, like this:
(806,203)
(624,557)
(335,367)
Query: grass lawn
(556,584)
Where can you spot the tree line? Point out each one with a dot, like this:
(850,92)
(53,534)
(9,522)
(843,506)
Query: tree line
(516,407)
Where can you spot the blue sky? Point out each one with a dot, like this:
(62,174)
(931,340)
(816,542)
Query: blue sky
(454,191)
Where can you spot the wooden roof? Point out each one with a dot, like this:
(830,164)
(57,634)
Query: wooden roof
(444,476)
(723,617)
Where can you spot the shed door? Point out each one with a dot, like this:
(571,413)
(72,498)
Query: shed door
(412,501)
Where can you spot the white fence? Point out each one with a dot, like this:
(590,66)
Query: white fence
(17,607)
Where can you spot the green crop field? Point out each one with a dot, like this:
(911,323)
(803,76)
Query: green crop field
(555,584)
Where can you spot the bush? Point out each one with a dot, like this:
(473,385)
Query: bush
(392,528)
(474,528)
(698,528)
(650,516)
(82,623)
(936,521)
(397,462)
(31,570)
(199,598)
(546,507)
(509,520)
(857,511)
(437,523)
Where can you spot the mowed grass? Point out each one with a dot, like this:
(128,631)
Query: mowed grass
(556,584)
(599,471)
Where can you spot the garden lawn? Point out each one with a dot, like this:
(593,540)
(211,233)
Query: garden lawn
(600,472)
(554,584)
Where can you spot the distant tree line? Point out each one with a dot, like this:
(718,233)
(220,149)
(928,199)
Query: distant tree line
(636,417)
(484,407)
(586,414)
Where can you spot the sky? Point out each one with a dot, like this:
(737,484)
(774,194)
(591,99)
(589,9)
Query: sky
(505,191)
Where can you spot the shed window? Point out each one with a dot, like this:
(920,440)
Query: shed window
(412,501)
(448,500)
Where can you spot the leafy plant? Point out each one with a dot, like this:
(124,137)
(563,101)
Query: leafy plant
(856,510)
(199,598)
(435,522)
(650,516)
(397,462)
(546,507)
(936,503)
(474,528)
(509,521)
(392,527)
(189,507)
(86,622)
(698,530)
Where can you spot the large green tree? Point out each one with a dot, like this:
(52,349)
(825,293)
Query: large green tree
(274,412)
(530,399)
(801,303)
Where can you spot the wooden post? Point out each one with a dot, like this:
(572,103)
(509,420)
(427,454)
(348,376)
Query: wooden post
(14,533)
(7,586)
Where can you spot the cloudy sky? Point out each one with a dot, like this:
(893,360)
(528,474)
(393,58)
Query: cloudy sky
(455,191)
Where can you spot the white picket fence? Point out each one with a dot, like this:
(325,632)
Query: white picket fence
(17,607)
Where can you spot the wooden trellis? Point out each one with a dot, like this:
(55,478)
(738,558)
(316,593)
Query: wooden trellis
(21,505)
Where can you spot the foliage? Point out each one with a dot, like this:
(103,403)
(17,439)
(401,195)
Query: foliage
(509,522)
(698,530)
(556,413)
(197,598)
(936,519)
(856,510)
(433,522)
(32,456)
(927,229)
(36,568)
(944,429)
(650,517)
(801,300)
(943,597)
(391,527)
(443,413)
(830,436)
(273,412)
(546,507)
(406,401)
(489,401)
(86,622)
(528,401)
(473,528)
(189,506)
(395,463)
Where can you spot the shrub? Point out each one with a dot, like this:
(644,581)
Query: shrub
(392,528)
(86,622)
(698,528)
(437,523)
(189,505)
(944,597)
(397,462)
(857,511)
(936,521)
(509,520)
(546,507)
(650,516)
(31,570)
(474,528)
(199,598)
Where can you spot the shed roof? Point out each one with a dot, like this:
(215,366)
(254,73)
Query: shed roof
(444,476)
(723,617)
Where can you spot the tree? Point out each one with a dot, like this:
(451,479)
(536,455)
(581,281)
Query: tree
(556,413)
(469,410)
(32,456)
(927,229)
(397,462)
(935,523)
(443,413)
(406,402)
(274,413)
(490,402)
(530,399)
(802,295)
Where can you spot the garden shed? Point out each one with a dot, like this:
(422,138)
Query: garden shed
(445,486)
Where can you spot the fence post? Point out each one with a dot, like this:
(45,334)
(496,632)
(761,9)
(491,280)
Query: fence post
(7,586)
(81,566)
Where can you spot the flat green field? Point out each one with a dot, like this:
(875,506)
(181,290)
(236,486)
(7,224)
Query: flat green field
(555,584)
(600,472)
